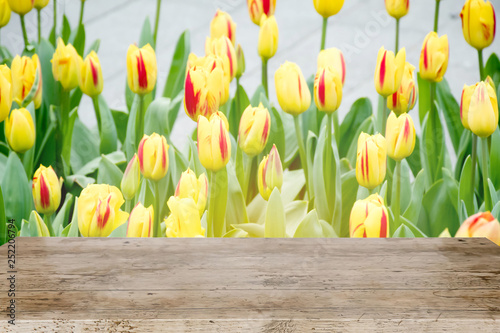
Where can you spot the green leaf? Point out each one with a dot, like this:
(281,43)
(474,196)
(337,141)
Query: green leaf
(293,182)
(79,41)
(117,157)
(71,229)
(349,192)
(94,47)
(496,211)
(76,183)
(85,146)
(495,159)
(464,150)
(236,233)
(129,144)
(275,216)
(25,229)
(66,30)
(417,193)
(414,159)
(63,215)
(357,115)
(368,126)
(277,135)
(3,220)
(120,231)
(109,173)
(239,103)
(492,69)
(220,203)
(295,212)
(236,211)
(403,232)
(194,160)
(38,228)
(328,231)
(433,149)
(415,231)
(120,118)
(252,229)
(146,34)
(424,92)
(309,227)
(466,192)
(493,193)
(451,111)
(176,75)
(108,135)
(67,139)
(50,90)
(156,119)
(291,146)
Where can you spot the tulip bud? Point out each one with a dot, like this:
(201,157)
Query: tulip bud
(99,210)
(327,8)
(191,187)
(445,234)
(434,57)
(240,59)
(90,78)
(184,218)
(153,156)
(222,25)
(371,160)
(46,190)
(483,110)
(481,225)
(256,8)
(5,92)
(293,93)
(20,130)
(224,49)
(202,91)
(328,89)
(270,173)
(369,218)
(467,92)
(389,71)
(397,8)
(255,124)
(140,221)
(400,136)
(404,99)
(131,178)
(478,23)
(40,4)
(65,65)
(268,37)
(214,144)
(4,13)
(21,7)
(332,57)
(27,80)
(141,69)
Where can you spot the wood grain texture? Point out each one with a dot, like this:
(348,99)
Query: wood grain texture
(254,285)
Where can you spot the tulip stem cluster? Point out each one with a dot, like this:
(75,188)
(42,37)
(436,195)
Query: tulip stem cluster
(25,35)
(473,160)
(302,150)
(264,76)
(431,121)
(436,16)
(487,198)
(323,32)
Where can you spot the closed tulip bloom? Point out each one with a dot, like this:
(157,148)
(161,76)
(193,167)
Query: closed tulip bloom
(90,78)
(240,59)
(5,92)
(214,144)
(328,89)
(389,71)
(202,91)
(257,8)
(40,4)
(268,37)
(4,13)
(141,69)
(20,130)
(153,156)
(27,80)
(483,110)
(369,218)
(21,7)
(332,57)
(481,225)
(131,178)
(397,8)
(467,92)
(434,57)
(371,160)
(222,25)
(478,23)
(65,65)
(293,93)
(99,210)
(270,173)
(400,136)
(46,190)
(327,8)
(224,49)
(195,188)
(405,98)
(255,124)
(184,218)
(140,221)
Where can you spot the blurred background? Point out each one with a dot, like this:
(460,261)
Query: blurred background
(358,30)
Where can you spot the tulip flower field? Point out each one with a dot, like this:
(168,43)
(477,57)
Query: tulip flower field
(256,165)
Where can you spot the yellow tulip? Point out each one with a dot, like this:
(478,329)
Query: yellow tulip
(153,156)
(255,125)
(478,23)
(141,69)
(40,4)
(65,65)
(224,49)
(195,188)
(27,80)
(483,110)
(131,178)
(217,82)
(184,218)
(214,144)
(99,210)
(467,92)
(20,130)
(222,25)
(4,13)
(434,57)
(481,225)
(404,99)
(397,8)
(327,8)
(240,59)
(389,71)
(268,37)
(332,57)
(445,234)
(270,173)
(293,93)
(5,92)
(371,160)
(90,78)
(46,190)
(369,218)
(400,136)
(140,221)
(21,7)
(327,89)
(257,8)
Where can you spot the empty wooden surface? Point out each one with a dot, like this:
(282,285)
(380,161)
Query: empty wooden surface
(256,285)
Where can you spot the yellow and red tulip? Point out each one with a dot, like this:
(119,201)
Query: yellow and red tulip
(389,71)
(293,93)
(20,130)
(369,218)
(131,178)
(371,160)
(434,57)
(184,218)
(270,173)
(481,225)
(405,98)
(467,92)
(140,221)
(195,188)
(224,49)
(65,65)
(222,25)
(257,8)
(141,69)
(46,190)
(240,59)
(327,8)
(5,92)
(483,110)
(397,8)
(268,37)
(255,125)
(328,89)
(26,80)
(4,13)
(478,23)
(90,78)
(214,144)
(21,7)
(153,156)
(332,57)
(400,136)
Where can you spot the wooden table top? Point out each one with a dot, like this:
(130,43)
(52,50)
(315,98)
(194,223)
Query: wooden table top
(256,285)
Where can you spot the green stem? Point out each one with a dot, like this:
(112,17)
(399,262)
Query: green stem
(48,222)
(264,76)
(128,204)
(64,98)
(481,64)
(39,26)
(139,122)
(384,116)
(95,101)
(157,211)
(55,20)
(487,198)
(432,119)
(336,127)
(396,204)
(25,34)
(397,36)
(248,174)
(436,15)
(328,146)
(81,13)
(211,204)
(302,150)
(158,3)
(323,32)
(474,159)
(237,102)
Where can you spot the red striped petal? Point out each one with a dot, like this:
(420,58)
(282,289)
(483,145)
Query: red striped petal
(382,70)
(95,74)
(383,225)
(141,72)
(321,88)
(44,192)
